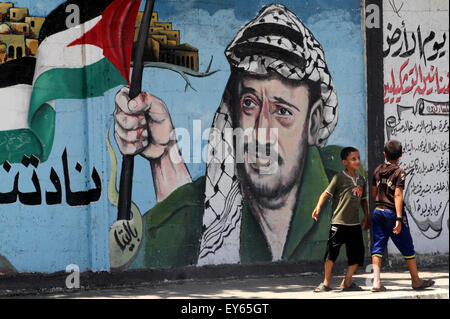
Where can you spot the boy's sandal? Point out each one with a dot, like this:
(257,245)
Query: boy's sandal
(352,287)
(379,289)
(322,288)
(425,284)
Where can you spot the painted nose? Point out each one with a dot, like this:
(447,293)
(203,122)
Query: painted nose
(265,133)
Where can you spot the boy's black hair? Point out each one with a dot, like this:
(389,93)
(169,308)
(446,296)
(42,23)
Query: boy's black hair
(346,152)
(393,150)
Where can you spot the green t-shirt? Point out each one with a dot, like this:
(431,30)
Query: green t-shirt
(347,193)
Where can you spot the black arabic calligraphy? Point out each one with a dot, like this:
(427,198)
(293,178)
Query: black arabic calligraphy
(415,166)
(420,127)
(412,40)
(79,198)
(124,237)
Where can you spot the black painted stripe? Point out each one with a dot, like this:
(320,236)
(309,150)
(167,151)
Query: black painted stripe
(20,71)
(272,29)
(254,48)
(56,20)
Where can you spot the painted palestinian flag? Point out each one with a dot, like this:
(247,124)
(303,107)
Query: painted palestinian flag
(72,63)
(16,138)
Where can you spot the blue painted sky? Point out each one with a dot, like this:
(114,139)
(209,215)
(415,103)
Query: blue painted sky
(242,9)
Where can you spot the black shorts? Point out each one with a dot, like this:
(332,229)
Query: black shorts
(352,237)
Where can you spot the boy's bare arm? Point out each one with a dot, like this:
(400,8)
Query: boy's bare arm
(398,199)
(322,199)
(374,192)
(365,207)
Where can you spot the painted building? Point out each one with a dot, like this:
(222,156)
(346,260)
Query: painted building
(4,7)
(164,44)
(17,14)
(194,200)
(2,52)
(18,32)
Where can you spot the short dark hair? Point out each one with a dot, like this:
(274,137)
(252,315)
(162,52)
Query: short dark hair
(346,152)
(393,150)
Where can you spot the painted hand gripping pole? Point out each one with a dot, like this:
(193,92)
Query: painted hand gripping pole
(123,257)
(126,235)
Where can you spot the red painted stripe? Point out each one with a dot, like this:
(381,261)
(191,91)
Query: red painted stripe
(114,34)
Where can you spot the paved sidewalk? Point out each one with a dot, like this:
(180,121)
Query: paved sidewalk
(300,286)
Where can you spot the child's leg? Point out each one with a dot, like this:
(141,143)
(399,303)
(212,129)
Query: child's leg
(381,226)
(415,279)
(404,243)
(376,264)
(332,253)
(354,245)
(327,280)
(347,281)
(328,270)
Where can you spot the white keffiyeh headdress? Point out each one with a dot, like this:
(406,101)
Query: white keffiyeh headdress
(276,40)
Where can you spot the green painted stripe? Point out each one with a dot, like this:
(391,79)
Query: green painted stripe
(90,81)
(43,127)
(15,144)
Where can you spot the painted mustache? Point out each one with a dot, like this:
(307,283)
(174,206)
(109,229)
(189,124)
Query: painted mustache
(263,158)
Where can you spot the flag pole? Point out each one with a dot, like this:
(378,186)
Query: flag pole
(126,176)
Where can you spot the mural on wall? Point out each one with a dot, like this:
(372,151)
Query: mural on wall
(249,207)
(416,88)
(268,109)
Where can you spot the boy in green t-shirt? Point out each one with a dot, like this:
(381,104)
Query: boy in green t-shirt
(348,191)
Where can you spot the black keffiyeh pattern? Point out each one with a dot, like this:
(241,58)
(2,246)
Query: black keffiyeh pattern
(277,40)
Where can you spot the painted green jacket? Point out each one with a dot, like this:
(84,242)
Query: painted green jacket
(173,227)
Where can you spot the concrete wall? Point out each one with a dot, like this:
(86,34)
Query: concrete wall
(416,112)
(41,235)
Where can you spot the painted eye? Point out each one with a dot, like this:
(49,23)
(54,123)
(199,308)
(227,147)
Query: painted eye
(249,106)
(248,103)
(284,112)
